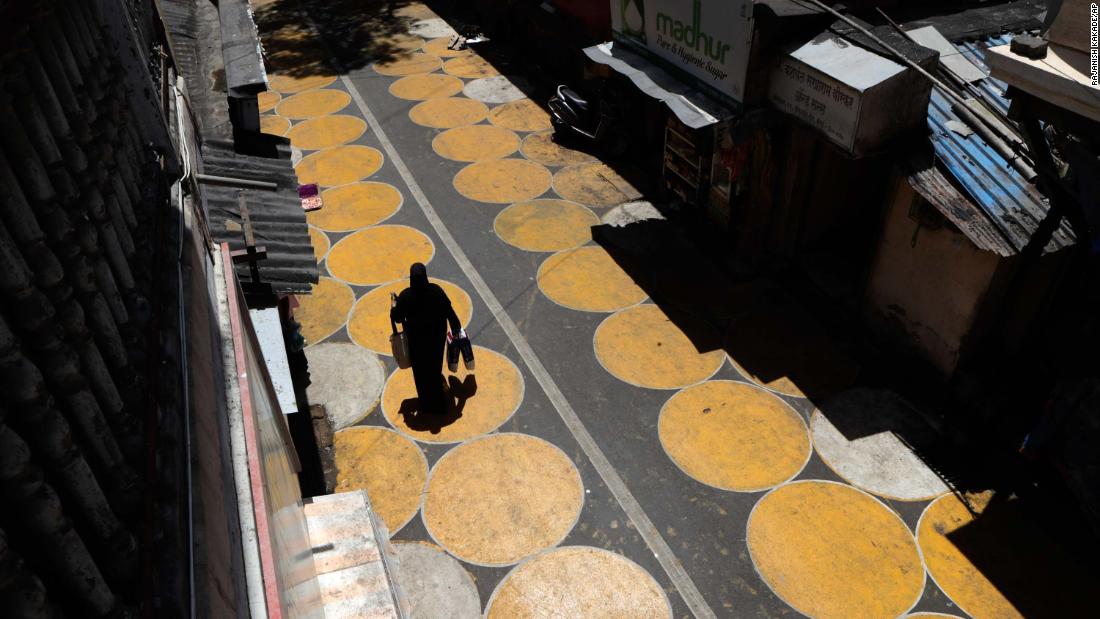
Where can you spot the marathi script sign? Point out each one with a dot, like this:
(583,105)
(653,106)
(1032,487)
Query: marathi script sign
(817,99)
(843,91)
(706,39)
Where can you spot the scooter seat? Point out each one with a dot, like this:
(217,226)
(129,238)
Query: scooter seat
(572,99)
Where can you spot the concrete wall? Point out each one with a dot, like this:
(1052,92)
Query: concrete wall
(219,573)
(270,475)
(926,284)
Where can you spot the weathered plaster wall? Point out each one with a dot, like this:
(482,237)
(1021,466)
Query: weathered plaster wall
(926,284)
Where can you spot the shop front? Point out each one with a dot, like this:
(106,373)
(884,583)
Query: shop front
(686,67)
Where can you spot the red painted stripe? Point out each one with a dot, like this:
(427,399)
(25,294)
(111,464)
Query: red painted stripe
(251,440)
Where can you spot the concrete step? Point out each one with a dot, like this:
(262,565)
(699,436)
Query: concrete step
(352,556)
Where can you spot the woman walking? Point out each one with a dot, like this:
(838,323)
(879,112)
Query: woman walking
(425,311)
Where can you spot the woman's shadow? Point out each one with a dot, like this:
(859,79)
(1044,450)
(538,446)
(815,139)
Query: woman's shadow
(457,393)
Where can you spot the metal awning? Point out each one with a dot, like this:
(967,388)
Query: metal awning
(692,107)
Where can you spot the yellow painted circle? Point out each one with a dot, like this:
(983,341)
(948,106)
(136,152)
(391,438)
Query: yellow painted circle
(378,255)
(390,467)
(290,84)
(545,225)
(830,550)
(475,143)
(409,64)
(426,87)
(542,148)
(520,115)
(777,383)
(470,66)
(274,125)
(326,131)
(320,243)
(931,616)
(1002,562)
(502,181)
(356,205)
(578,581)
(488,396)
(594,184)
(313,103)
(415,11)
(268,100)
(440,47)
(369,325)
(733,436)
(643,347)
(323,311)
(339,166)
(588,279)
(448,112)
(394,43)
(499,499)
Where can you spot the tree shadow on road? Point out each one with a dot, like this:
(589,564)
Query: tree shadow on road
(357,32)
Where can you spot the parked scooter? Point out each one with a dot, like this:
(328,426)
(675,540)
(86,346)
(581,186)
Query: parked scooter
(595,123)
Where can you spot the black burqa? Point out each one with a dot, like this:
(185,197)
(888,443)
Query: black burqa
(425,311)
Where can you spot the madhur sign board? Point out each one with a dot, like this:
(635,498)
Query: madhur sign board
(708,39)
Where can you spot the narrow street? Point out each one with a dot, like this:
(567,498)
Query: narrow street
(614,453)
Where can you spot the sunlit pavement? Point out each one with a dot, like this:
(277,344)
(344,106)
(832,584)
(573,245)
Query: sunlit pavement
(517,506)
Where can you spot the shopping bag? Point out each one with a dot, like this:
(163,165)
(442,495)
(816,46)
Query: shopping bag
(459,345)
(399,345)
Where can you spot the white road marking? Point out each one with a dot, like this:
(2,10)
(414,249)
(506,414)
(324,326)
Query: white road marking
(657,544)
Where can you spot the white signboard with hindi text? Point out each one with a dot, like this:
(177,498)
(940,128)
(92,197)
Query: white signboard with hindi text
(707,39)
(842,90)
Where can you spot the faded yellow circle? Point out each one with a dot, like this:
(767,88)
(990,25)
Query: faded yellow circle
(475,143)
(326,131)
(542,148)
(313,103)
(588,279)
(470,66)
(594,184)
(320,243)
(931,616)
(579,581)
(487,397)
(323,311)
(520,115)
(499,499)
(339,166)
(274,125)
(390,467)
(378,255)
(733,436)
(290,84)
(268,100)
(1003,561)
(409,64)
(369,325)
(502,181)
(779,384)
(426,87)
(830,550)
(356,205)
(394,43)
(545,225)
(643,347)
(448,112)
(441,47)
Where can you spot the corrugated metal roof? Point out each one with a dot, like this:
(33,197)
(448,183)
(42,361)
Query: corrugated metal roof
(1009,208)
(278,221)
